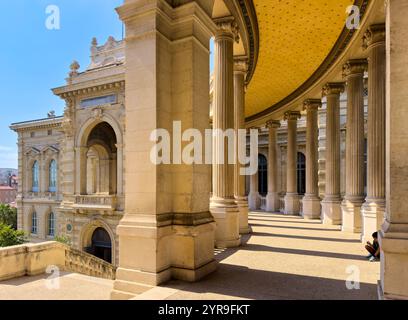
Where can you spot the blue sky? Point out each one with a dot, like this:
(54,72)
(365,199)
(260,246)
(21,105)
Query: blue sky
(35,59)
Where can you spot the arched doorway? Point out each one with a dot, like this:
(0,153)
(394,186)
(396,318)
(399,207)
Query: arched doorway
(101,245)
(301,173)
(262,175)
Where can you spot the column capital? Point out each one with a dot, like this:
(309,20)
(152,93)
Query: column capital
(227,26)
(333,88)
(253,128)
(312,104)
(354,67)
(273,124)
(292,115)
(375,34)
(241,64)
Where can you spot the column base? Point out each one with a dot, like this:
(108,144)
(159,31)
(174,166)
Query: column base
(272,202)
(242,204)
(394,260)
(254,201)
(373,215)
(331,212)
(226,216)
(292,204)
(311,207)
(183,252)
(351,215)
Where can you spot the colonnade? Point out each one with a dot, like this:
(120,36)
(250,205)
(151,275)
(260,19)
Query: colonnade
(356,212)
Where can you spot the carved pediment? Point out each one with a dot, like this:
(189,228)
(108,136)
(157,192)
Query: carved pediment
(32,151)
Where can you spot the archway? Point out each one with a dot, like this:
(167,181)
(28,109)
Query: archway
(301,173)
(101,245)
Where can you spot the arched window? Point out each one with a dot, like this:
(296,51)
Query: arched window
(52,176)
(34,223)
(262,175)
(35,176)
(51,224)
(301,173)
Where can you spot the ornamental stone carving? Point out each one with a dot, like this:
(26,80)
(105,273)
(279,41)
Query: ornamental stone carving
(333,88)
(374,34)
(353,67)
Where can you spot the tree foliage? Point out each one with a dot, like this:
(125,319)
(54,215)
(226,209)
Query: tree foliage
(8,216)
(10,237)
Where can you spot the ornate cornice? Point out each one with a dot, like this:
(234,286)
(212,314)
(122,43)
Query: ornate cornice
(251,21)
(46,123)
(375,34)
(292,115)
(355,66)
(340,46)
(91,89)
(333,88)
(312,104)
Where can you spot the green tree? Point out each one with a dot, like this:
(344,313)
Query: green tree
(8,215)
(10,237)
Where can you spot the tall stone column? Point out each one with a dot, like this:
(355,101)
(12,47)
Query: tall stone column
(331,210)
(353,71)
(81,167)
(240,70)
(292,203)
(311,200)
(394,231)
(253,197)
(374,208)
(167,230)
(272,199)
(223,206)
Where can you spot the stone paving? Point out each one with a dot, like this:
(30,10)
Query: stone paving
(285,257)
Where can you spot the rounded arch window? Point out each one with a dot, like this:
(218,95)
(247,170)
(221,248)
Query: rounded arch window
(35,176)
(51,224)
(52,176)
(34,223)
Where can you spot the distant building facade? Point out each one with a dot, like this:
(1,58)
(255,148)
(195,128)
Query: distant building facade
(71,167)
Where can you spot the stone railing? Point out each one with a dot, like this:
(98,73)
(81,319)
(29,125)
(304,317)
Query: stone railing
(33,259)
(85,263)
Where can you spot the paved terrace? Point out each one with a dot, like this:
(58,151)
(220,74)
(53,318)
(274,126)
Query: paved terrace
(285,258)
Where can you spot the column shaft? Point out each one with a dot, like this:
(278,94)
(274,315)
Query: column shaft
(272,199)
(223,205)
(240,69)
(311,200)
(292,204)
(353,200)
(374,207)
(331,210)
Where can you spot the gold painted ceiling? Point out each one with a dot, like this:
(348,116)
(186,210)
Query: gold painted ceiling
(295,37)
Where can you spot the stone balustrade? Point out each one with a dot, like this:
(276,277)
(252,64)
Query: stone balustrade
(33,259)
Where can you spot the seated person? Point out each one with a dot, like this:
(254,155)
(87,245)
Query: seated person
(373,248)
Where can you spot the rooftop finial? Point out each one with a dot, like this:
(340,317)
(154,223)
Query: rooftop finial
(94,42)
(51,114)
(74,68)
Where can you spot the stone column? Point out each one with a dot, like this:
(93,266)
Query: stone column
(353,71)
(240,70)
(253,196)
(272,199)
(374,208)
(331,210)
(167,230)
(311,200)
(223,206)
(292,203)
(81,169)
(394,231)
